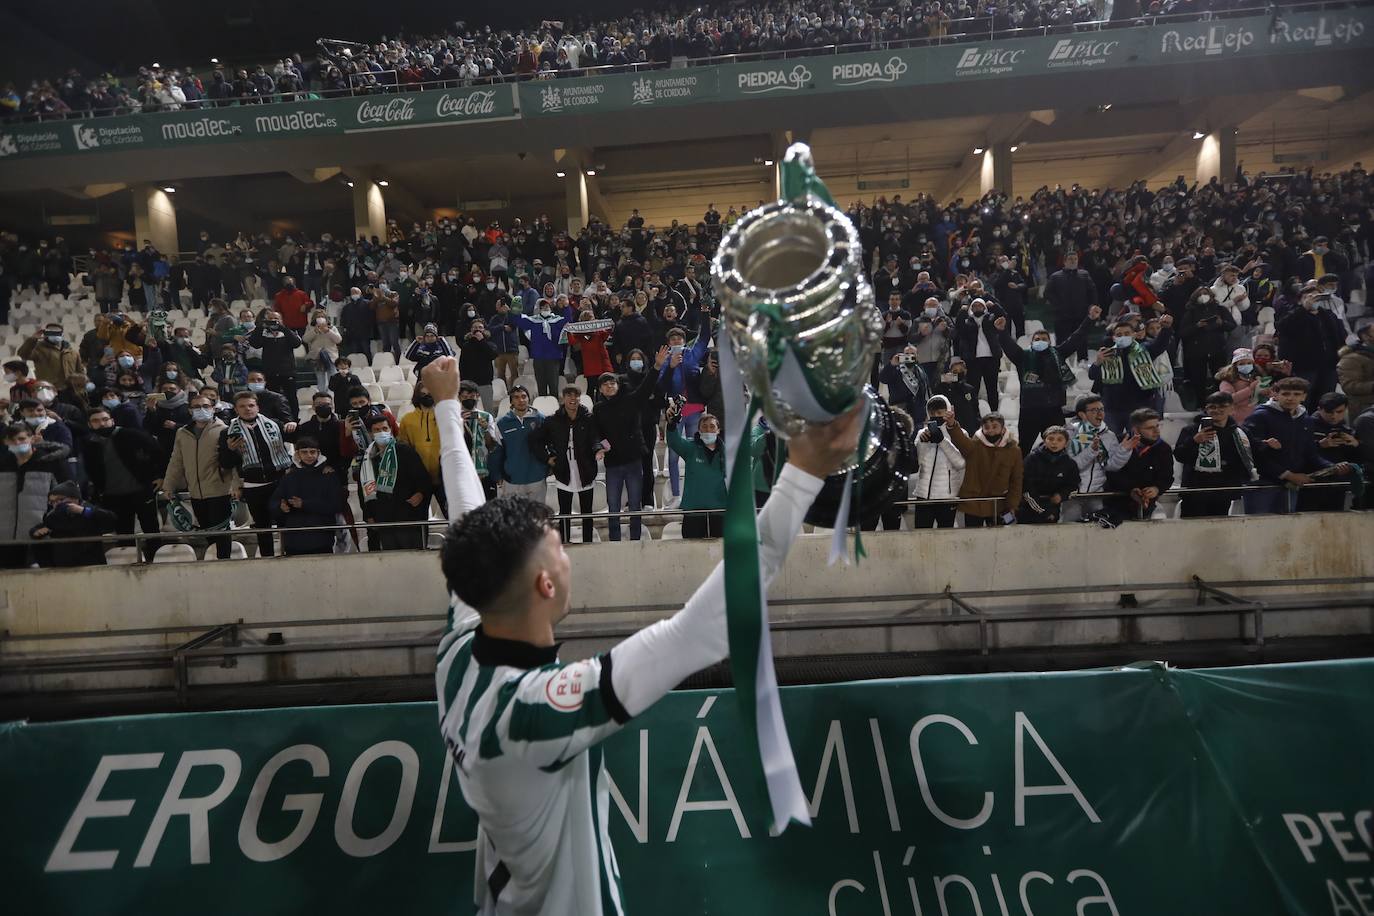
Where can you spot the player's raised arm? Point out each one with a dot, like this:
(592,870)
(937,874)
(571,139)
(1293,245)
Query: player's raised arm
(461,483)
(656,659)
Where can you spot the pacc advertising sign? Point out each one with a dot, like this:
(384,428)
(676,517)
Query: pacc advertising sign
(1136,792)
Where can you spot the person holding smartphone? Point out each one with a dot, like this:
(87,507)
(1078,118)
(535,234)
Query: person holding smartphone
(1214,452)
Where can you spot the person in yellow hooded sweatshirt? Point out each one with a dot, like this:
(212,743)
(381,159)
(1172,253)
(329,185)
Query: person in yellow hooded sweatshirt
(418,430)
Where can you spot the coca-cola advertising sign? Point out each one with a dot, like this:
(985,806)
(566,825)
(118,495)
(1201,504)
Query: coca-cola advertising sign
(393,111)
(472,105)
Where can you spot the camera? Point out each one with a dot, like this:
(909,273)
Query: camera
(1204,424)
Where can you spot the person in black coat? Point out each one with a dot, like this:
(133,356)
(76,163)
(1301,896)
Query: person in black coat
(1205,328)
(571,445)
(271,404)
(124,466)
(279,345)
(1147,473)
(632,332)
(907,385)
(618,422)
(962,397)
(637,367)
(1214,452)
(1045,379)
(69,517)
(1050,475)
(1070,292)
(388,495)
(976,342)
(311,494)
(1311,338)
(325,427)
(167,416)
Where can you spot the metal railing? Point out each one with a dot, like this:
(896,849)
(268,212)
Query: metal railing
(956,31)
(653,519)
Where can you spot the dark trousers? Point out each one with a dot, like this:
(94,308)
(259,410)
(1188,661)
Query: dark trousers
(259,502)
(546,376)
(584,505)
(285,385)
(356,343)
(141,506)
(1033,422)
(212,511)
(980,521)
(933,516)
(1206,505)
(1063,330)
(984,369)
(1201,367)
(1323,382)
(710,525)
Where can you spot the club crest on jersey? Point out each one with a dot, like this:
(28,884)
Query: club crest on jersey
(565,690)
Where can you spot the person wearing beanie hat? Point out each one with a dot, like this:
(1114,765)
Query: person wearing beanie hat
(309,496)
(1240,380)
(941,471)
(428,347)
(69,517)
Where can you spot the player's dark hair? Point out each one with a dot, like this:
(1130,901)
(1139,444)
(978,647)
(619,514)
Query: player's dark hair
(486,548)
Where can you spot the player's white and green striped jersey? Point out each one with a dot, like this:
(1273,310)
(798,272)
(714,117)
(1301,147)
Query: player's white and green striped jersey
(524,729)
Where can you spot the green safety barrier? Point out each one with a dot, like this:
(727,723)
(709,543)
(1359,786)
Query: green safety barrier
(1136,792)
(942,65)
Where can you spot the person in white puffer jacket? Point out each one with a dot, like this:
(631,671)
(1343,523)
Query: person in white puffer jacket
(942,468)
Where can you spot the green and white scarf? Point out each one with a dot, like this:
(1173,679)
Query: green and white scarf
(377,472)
(1142,368)
(1209,453)
(272,433)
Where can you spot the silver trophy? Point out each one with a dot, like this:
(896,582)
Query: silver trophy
(799,313)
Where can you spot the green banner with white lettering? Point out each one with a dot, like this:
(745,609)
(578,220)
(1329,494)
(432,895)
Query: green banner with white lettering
(1134,792)
(1116,48)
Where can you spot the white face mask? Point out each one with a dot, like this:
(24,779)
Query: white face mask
(1123,342)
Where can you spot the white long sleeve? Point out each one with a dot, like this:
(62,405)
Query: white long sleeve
(656,659)
(461,483)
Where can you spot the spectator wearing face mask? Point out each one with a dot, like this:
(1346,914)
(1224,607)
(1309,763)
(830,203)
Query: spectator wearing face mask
(293,306)
(321,341)
(545,330)
(61,408)
(1214,452)
(344,380)
(181,354)
(1127,372)
(194,467)
(270,403)
(29,470)
(479,427)
(1009,286)
(54,359)
(1045,378)
(168,415)
(278,344)
(941,471)
(125,467)
(1148,472)
(704,477)
(505,337)
(1286,453)
(255,445)
(428,347)
(1310,337)
(1355,370)
(1240,380)
(357,321)
(354,436)
(907,385)
(962,398)
(125,415)
(310,495)
(976,341)
(931,339)
(1320,260)
(571,447)
(896,326)
(1231,294)
(325,427)
(477,362)
(44,426)
(1205,327)
(1049,475)
(418,429)
(229,373)
(993,472)
(393,486)
(618,418)
(69,517)
(120,334)
(1269,368)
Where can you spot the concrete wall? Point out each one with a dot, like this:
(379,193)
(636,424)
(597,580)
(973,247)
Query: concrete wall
(266,594)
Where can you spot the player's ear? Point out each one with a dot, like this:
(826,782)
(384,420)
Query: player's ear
(544,585)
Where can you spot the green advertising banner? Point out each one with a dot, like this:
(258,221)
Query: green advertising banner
(1109,49)
(1134,792)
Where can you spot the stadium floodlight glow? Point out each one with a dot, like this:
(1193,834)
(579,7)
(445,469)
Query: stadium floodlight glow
(157,66)
(349,183)
(1012,149)
(591,173)
(383,183)
(170,190)
(977,151)
(214,60)
(560,174)
(768,162)
(1198,135)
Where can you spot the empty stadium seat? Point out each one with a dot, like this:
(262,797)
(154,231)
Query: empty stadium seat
(389,375)
(236,552)
(399,391)
(175,553)
(121,556)
(546,404)
(382,360)
(374,393)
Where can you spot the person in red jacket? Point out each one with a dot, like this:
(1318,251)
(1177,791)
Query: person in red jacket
(293,305)
(596,361)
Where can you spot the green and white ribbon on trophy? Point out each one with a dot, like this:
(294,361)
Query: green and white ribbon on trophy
(758,350)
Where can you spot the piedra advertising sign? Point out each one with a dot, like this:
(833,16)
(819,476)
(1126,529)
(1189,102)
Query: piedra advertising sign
(1134,792)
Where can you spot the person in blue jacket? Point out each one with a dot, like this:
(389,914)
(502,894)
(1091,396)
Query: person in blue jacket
(678,379)
(505,336)
(545,328)
(1286,454)
(513,463)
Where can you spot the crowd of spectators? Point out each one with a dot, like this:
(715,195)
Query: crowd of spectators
(464,54)
(1238,305)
